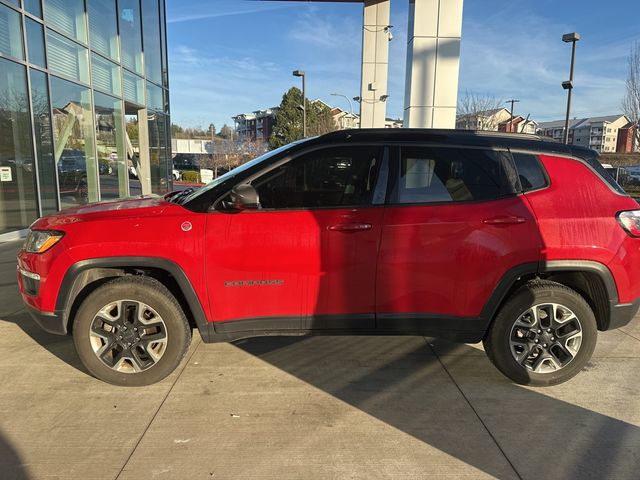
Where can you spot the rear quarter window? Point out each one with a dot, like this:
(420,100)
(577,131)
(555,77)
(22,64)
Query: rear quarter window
(530,171)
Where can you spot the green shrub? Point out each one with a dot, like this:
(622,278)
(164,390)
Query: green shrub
(191,176)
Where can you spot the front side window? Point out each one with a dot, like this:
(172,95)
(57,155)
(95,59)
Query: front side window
(333,177)
(435,175)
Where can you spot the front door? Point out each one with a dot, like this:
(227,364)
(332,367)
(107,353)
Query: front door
(306,259)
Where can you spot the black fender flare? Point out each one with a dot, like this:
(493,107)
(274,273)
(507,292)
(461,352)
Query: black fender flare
(74,281)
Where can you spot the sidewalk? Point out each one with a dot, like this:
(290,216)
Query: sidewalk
(313,408)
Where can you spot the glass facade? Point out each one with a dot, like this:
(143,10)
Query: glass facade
(84,114)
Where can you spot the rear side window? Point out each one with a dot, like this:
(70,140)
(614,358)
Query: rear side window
(530,172)
(435,175)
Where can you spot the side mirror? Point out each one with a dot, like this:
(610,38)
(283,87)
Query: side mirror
(244,197)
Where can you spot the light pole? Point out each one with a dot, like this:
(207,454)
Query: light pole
(512,101)
(568,85)
(300,73)
(345,97)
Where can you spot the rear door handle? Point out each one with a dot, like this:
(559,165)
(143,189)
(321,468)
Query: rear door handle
(350,227)
(504,220)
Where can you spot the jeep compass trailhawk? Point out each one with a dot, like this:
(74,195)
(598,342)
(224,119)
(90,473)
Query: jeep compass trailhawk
(527,245)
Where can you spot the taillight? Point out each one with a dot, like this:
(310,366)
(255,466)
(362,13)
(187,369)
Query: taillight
(630,221)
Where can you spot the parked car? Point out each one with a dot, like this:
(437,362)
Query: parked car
(526,245)
(72,174)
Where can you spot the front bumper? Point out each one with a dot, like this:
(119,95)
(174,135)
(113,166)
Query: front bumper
(52,322)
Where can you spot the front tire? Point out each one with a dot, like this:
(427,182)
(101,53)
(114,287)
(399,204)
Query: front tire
(543,335)
(131,331)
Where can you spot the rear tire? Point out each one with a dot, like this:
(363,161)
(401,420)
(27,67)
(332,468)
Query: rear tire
(543,335)
(131,331)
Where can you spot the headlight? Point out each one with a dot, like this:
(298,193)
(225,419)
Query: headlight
(39,241)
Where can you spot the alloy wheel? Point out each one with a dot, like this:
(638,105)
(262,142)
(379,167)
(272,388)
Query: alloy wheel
(128,336)
(545,338)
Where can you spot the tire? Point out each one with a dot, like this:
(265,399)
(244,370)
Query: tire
(542,314)
(131,331)
(82,192)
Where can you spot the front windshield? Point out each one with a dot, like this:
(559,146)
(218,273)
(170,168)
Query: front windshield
(238,170)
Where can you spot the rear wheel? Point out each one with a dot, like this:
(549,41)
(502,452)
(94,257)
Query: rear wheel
(131,331)
(543,335)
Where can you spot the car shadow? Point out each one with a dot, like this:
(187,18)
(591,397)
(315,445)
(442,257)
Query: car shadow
(60,346)
(11,465)
(450,397)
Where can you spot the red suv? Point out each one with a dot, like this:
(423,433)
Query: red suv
(524,244)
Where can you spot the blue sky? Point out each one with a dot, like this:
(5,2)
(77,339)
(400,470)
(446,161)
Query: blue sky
(232,56)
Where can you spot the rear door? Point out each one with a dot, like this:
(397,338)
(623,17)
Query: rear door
(452,228)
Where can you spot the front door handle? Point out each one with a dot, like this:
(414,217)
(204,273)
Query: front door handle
(504,220)
(350,227)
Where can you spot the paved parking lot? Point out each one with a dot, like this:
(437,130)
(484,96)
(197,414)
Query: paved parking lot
(316,407)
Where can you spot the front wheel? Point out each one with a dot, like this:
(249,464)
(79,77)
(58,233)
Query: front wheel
(131,331)
(543,335)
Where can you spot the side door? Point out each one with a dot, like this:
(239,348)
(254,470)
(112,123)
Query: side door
(453,227)
(306,258)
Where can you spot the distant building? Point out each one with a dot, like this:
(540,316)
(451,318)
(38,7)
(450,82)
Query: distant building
(496,120)
(488,120)
(519,124)
(599,133)
(345,120)
(194,146)
(392,123)
(255,126)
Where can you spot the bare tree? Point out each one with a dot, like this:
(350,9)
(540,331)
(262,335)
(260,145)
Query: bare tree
(631,100)
(475,111)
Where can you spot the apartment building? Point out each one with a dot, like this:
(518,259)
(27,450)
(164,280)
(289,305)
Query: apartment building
(256,126)
(496,120)
(599,133)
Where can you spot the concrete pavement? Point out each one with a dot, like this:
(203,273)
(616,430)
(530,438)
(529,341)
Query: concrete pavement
(306,408)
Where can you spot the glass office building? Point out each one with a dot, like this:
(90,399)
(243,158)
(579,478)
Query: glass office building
(84,105)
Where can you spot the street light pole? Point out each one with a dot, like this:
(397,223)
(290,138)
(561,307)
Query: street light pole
(300,73)
(512,101)
(345,97)
(568,85)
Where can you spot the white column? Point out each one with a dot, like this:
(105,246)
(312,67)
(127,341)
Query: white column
(375,60)
(433,60)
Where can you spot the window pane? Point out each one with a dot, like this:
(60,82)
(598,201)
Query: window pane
(327,178)
(103,29)
(529,171)
(112,166)
(35,43)
(33,7)
(154,97)
(67,57)
(17,183)
(74,143)
(67,16)
(133,88)
(158,153)
(151,29)
(10,33)
(131,35)
(44,142)
(105,75)
(163,45)
(429,175)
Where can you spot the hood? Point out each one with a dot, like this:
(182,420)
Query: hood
(145,205)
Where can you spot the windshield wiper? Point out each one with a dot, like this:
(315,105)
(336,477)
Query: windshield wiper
(181,195)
